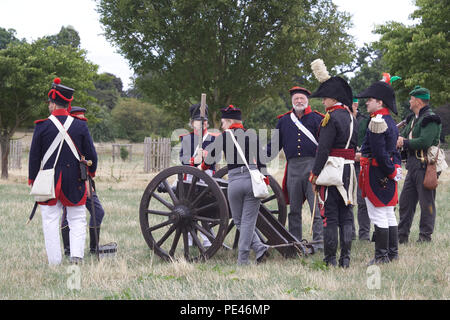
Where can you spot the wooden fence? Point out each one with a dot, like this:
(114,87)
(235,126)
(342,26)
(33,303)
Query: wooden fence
(15,154)
(156,154)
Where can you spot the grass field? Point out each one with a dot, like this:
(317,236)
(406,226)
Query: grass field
(136,273)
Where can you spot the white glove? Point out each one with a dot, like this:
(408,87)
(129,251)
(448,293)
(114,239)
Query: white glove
(398,175)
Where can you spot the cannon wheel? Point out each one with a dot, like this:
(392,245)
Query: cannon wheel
(167,217)
(275,203)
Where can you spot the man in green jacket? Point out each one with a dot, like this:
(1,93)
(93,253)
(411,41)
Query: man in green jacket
(422,131)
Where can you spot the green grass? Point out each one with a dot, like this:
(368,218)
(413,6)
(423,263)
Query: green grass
(136,273)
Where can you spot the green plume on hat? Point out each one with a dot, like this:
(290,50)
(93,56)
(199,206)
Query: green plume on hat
(420,92)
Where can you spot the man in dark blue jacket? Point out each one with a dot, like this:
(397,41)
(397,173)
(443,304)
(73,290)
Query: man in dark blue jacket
(381,169)
(296,133)
(70,189)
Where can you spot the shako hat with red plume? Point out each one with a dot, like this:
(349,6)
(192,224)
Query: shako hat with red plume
(231,112)
(60,94)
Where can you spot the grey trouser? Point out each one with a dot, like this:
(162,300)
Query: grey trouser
(300,188)
(244,210)
(413,191)
(362,215)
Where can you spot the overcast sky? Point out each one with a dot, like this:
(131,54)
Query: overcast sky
(33,19)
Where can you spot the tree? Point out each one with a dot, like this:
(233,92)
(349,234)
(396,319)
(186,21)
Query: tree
(136,119)
(236,51)
(7,37)
(108,89)
(67,36)
(26,73)
(420,54)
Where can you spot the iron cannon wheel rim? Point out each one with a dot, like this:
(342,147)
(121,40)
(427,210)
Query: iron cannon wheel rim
(182,214)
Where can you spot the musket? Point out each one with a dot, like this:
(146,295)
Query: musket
(202,119)
(84,166)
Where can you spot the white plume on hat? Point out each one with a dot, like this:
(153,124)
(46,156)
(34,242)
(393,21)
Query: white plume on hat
(320,70)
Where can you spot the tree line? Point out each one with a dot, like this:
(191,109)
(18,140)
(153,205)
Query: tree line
(242,52)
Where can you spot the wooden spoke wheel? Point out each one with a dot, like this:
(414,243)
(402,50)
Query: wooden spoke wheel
(174,212)
(275,203)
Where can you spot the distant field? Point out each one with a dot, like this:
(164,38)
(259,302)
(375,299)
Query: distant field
(136,273)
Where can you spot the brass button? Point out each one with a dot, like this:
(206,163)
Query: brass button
(67,165)
(299,133)
(298,147)
(299,153)
(298,140)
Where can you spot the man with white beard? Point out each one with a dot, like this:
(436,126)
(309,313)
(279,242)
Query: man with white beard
(297,133)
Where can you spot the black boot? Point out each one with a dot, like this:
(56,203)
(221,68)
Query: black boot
(330,242)
(66,240)
(393,243)
(381,246)
(345,235)
(93,240)
(402,238)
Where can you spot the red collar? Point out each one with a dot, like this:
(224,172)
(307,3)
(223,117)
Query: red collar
(382,111)
(236,126)
(337,106)
(60,112)
(305,112)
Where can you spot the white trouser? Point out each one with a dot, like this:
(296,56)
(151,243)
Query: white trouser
(76,217)
(383,217)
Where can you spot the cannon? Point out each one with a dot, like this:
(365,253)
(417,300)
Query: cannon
(173,207)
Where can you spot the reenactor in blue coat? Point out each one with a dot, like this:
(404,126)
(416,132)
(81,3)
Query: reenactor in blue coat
(421,132)
(70,189)
(297,134)
(190,152)
(337,138)
(381,169)
(190,142)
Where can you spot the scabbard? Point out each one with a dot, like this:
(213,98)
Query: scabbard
(32,212)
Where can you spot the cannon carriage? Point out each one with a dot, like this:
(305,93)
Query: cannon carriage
(183,200)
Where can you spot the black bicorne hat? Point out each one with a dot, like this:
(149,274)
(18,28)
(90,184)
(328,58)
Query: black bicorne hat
(231,112)
(336,88)
(301,90)
(60,94)
(382,91)
(195,112)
